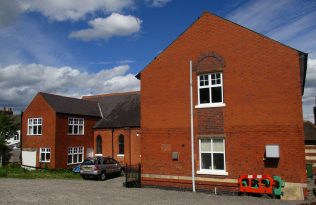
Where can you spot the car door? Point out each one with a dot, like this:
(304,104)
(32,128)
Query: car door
(115,166)
(108,165)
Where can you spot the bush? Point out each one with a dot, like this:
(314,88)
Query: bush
(3,172)
(15,171)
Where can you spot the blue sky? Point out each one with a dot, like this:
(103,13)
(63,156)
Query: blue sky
(79,47)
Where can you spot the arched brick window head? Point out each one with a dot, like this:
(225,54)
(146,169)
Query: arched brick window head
(209,62)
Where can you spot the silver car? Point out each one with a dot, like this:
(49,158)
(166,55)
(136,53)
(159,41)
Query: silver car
(100,167)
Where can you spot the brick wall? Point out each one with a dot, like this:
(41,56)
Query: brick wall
(132,144)
(262,93)
(54,134)
(210,120)
(63,140)
(39,108)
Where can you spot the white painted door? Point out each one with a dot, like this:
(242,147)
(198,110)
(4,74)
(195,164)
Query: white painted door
(29,159)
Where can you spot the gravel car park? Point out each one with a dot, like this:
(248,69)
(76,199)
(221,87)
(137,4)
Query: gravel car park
(110,191)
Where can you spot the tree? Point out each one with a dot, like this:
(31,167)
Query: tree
(7,129)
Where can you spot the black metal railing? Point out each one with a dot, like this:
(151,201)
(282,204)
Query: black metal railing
(133,176)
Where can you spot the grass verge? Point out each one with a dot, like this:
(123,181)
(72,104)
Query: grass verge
(18,172)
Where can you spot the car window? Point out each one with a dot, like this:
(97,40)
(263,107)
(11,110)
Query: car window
(106,161)
(88,162)
(112,161)
(99,160)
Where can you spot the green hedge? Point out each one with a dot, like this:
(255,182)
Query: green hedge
(19,172)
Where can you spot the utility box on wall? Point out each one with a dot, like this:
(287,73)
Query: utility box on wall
(272,151)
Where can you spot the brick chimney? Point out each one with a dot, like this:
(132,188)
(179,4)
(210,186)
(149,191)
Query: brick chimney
(7,111)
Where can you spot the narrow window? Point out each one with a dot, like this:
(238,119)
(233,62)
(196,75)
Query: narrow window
(99,144)
(121,144)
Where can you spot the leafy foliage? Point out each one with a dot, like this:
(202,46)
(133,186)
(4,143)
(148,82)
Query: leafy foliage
(16,171)
(7,129)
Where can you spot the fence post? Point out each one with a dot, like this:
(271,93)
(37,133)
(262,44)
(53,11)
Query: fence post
(126,172)
(140,174)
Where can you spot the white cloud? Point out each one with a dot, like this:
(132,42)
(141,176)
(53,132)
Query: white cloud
(26,42)
(157,3)
(62,10)
(291,22)
(19,83)
(297,27)
(9,10)
(104,28)
(265,16)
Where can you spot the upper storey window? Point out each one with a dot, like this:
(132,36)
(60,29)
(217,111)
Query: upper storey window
(210,90)
(75,126)
(35,126)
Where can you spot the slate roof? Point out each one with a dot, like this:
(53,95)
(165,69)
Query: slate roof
(309,131)
(68,105)
(119,109)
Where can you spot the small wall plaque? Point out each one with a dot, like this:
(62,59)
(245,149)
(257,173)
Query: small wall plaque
(175,155)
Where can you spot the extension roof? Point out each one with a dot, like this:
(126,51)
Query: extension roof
(119,110)
(68,105)
(302,56)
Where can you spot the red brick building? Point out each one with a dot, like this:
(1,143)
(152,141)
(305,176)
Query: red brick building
(247,92)
(118,133)
(310,144)
(58,131)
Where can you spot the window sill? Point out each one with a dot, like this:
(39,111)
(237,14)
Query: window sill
(120,155)
(209,105)
(34,134)
(75,134)
(213,172)
(44,161)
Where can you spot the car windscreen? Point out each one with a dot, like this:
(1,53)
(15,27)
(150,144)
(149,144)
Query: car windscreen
(89,162)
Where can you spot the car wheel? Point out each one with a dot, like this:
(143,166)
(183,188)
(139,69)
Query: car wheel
(84,177)
(102,176)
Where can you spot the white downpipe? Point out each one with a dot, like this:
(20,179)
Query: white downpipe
(192,131)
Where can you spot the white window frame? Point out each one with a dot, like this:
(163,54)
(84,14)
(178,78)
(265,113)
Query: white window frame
(45,150)
(212,171)
(34,122)
(71,122)
(75,151)
(210,86)
(16,136)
